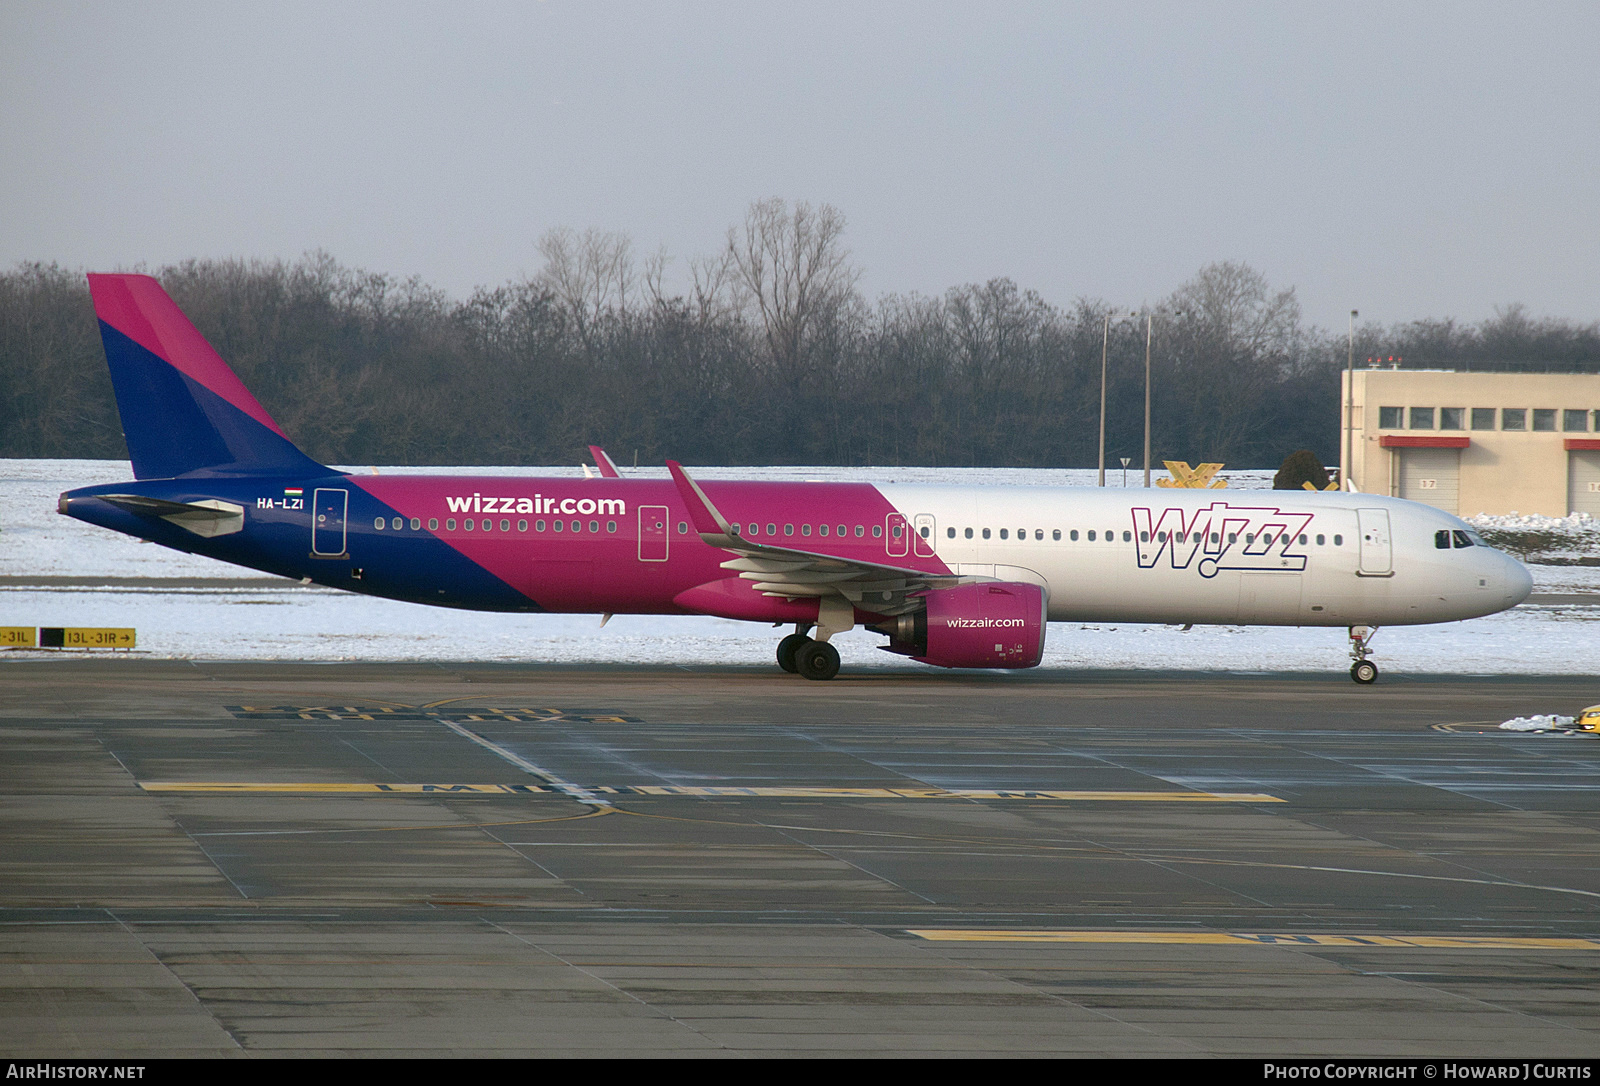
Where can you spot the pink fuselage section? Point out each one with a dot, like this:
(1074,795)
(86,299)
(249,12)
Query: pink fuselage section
(629,546)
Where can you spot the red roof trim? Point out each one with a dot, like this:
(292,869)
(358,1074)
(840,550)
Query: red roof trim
(1582,443)
(1418,441)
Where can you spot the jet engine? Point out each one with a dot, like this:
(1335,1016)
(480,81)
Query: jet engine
(988,624)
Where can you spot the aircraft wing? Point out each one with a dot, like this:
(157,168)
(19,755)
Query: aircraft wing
(790,573)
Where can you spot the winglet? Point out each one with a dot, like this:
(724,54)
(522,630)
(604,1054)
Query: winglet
(608,470)
(711,524)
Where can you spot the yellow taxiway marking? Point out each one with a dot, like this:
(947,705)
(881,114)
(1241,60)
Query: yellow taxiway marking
(730,791)
(1216,938)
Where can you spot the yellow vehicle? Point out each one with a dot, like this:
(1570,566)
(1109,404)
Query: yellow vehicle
(1588,719)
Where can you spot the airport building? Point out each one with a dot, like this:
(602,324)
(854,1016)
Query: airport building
(1472,443)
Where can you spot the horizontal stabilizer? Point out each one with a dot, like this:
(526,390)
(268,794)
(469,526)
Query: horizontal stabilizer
(208,517)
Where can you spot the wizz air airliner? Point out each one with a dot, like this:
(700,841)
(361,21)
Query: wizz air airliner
(954,576)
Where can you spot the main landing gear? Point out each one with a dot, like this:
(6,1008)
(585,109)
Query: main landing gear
(799,654)
(1363,671)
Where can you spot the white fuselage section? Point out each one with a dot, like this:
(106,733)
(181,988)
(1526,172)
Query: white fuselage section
(1260,557)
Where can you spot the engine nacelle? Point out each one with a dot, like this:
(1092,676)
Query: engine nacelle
(990,624)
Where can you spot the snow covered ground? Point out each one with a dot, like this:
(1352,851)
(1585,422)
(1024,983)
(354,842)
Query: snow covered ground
(322,624)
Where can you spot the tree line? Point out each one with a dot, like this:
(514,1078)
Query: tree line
(767,354)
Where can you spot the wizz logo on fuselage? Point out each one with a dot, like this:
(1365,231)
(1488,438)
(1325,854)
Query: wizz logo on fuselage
(1221,536)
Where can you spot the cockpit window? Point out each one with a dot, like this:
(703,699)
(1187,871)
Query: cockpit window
(1462,539)
(1441,540)
(1477,540)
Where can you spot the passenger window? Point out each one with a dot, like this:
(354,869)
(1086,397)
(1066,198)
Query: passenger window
(788,529)
(968,533)
(925,531)
(1055,534)
(1216,537)
(505,525)
(1441,540)
(433,524)
(1249,538)
(1127,537)
(415,523)
(611,526)
(1073,535)
(397,524)
(594,525)
(1338,541)
(772,529)
(1322,540)
(844,532)
(683,527)
(1462,539)
(450,525)
(1233,537)
(1002,533)
(1038,533)
(1302,539)
(986,533)
(877,531)
(822,529)
(805,529)
(469,524)
(949,533)
(1091,535)
(558,525)
(522,526)
(378,524)
(577,526)
(1144,537)
(538,525)
(755,529)
(733,529)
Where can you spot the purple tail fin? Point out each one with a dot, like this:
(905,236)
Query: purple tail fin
(183,410)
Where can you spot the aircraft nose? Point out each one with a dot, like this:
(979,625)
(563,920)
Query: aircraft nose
(1519,582)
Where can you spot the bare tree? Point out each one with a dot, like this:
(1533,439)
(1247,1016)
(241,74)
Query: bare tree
(792,271)
(591,273)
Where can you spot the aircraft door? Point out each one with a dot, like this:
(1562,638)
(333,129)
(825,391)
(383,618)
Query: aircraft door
(653,533)
(1377,555)
(897,542)
(923,537)
(328,508)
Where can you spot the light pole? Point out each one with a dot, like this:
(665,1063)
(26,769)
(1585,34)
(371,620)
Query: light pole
(1105,342)
(1149,320)
(1346,453)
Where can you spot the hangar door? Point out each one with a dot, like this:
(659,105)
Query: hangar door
(1431,476)
(1583,481)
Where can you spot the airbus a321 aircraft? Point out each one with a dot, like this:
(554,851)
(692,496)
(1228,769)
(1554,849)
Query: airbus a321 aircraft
(956,576)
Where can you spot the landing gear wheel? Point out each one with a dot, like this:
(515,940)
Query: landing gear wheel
(1364,672)
(817,660)
(787,648)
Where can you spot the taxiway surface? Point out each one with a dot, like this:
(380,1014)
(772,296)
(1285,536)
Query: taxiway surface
(281,859)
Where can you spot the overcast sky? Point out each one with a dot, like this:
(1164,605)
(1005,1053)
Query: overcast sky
(1409,160)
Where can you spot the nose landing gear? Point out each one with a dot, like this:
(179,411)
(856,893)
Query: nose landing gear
(1362,670)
